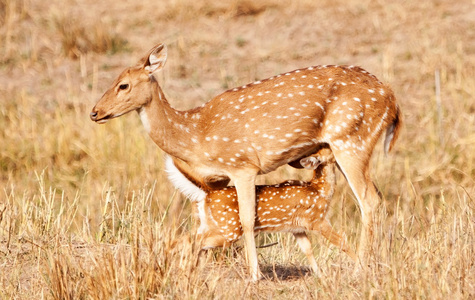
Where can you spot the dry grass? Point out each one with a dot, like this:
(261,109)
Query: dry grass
(86,211)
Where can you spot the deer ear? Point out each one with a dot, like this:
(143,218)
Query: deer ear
(156,59)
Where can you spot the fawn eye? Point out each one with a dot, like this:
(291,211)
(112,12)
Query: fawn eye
(123,86)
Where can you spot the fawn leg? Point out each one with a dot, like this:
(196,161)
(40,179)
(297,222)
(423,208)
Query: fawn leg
(306,247)
(336,239)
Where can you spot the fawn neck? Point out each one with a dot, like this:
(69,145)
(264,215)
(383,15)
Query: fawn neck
(324,179)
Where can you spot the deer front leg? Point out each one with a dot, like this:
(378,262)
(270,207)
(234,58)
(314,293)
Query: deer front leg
(246,191)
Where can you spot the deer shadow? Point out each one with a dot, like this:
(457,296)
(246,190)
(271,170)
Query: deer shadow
(285,273)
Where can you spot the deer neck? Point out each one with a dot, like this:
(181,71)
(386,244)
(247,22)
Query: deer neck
(172,130)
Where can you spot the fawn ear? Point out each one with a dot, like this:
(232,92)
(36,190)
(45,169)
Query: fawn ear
(310,163)
(156,59)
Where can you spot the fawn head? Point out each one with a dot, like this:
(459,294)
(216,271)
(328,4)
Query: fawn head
(131,90)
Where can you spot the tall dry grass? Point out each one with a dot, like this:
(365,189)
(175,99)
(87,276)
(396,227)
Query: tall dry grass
(86,210)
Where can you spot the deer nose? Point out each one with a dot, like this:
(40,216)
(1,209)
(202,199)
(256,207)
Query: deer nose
(93,115)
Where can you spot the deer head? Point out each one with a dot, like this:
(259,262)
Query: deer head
(131,90)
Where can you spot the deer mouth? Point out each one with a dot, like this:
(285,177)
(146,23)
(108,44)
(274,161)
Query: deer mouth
(103,120)
(94,115)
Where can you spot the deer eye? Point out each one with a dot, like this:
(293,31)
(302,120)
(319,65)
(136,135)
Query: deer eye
(123,86)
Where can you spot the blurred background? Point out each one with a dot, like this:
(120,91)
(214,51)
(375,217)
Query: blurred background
(58,57)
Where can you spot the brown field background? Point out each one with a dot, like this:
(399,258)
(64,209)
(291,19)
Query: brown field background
(86,211)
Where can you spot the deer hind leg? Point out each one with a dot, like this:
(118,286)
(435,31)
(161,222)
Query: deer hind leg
(355,168)
(306,248)
(246,191)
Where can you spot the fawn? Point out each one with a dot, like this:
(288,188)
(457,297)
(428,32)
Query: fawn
(292,206)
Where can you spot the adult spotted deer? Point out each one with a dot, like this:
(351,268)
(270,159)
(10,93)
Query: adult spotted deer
(255,128)
(292,206)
